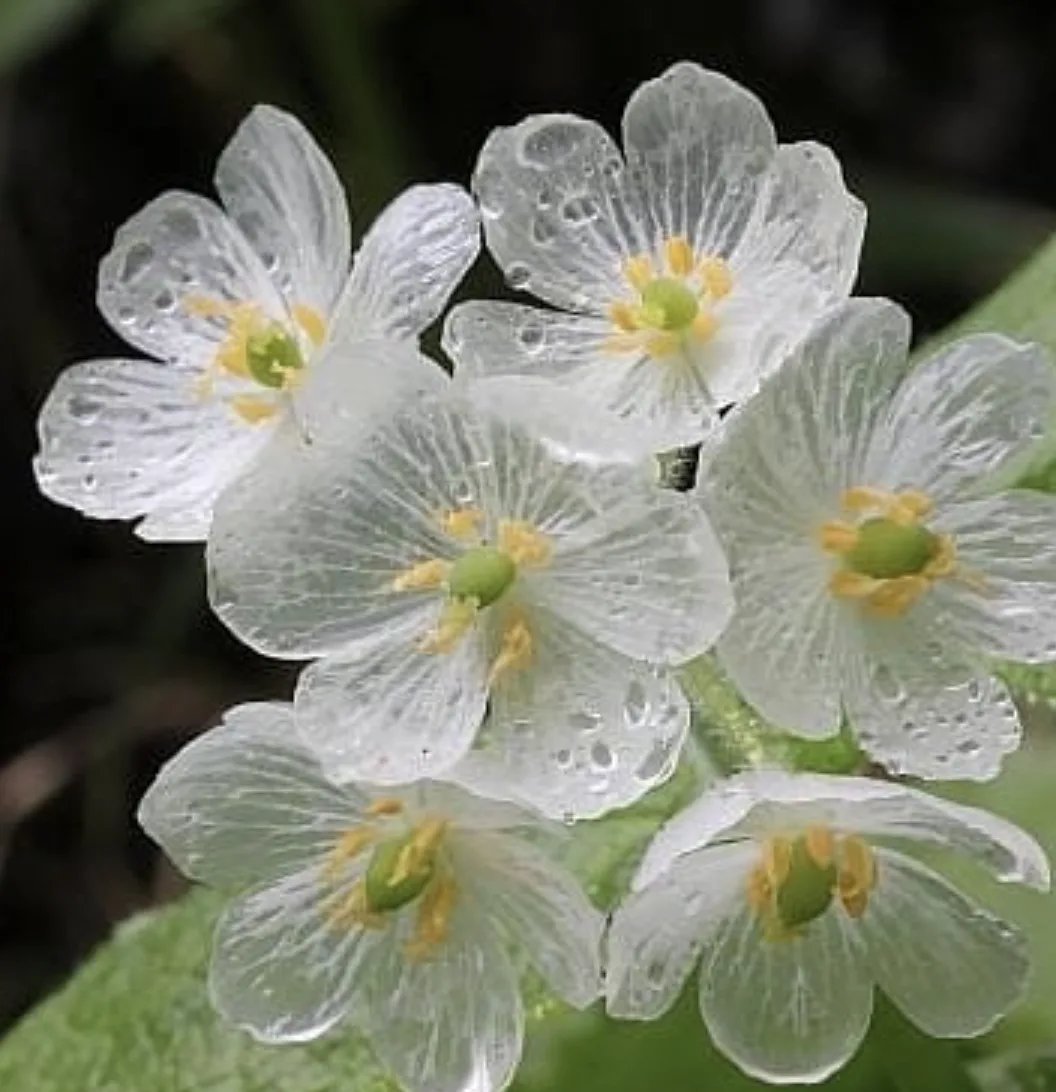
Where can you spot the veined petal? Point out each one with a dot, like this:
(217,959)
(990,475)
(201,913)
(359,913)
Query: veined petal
(540,907)
(393,713)
(699,147)
(658,933)
(951,967)
(127,438)
(557,214)
(245,802)
(410,262)
(450,1023)
(285,196)
(649,579)
(791,1010)
(280,970)
(961,415)
(1006,543)
(177,248)
(580,731)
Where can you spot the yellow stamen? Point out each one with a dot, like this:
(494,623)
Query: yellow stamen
(836,537)
(716,277)
(426,574)
(423,844)
(821,845)
(624,316)
(515,653)
(662,344)
(679,256)
(525,546)
(857,875)
(348,847)
(384,806)
(434,917)
(777,860)
(311,322)
(351,909)
(638,270)
(455,619)
(462,523)
(704,326)
(252,408)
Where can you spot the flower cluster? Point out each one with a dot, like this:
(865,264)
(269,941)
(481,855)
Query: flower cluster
(495,590)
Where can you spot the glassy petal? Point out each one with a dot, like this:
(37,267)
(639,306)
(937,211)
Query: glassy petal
(280,970)
(285,196)
(787,1010)
(178,248)
(450,1023)
(540,907)
(580,731)
(410,262)
(951,967)
(556,211)
(961,414)
(245,802)
(127,438)
(658,933)
(699,147)
(393,713)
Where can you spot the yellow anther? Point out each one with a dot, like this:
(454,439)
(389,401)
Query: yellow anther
(759,890)
(777,859)
(857,875)
(836,537)
(212,306)
(252,408)
(639,271)
(434,917)
(462,523)
(704,326)
(905,507)
(625,316)
(426,574)
(679,256)
(455,619)
(348,846)
(424,842)
(716,277)
(515,653)
(525,546)
(311,322)
(344,911)
(386,806)
(662,344)
(821,845)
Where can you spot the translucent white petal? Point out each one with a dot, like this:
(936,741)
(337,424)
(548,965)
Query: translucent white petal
(450,1023)
(806,217)
(179,247)
(784,648)
(699,146)
(126,438)
(786,1011)
(557,214)
(392,713)
(963,413)
(280,970)
(285,196)
(410,262)
(245,802)
(951,967)
(649,578)
(474,812)
(580,731)
(657,934)
(539,906)
(1007,546)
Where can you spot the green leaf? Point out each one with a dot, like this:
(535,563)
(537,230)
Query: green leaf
(27,26)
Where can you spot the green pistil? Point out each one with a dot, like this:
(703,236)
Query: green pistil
(382,891)
(482,573)
(887,549)
(669,305)
(807,890)
(272,355)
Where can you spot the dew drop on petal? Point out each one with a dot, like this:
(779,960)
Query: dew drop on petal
(518,276)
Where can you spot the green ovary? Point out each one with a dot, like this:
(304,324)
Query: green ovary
(886,549)
(272,356)
(385,889)
(669,305)
(806,891)
(482,573)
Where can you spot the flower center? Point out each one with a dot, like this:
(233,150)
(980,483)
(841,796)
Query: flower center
(673,300)
(887,558)
(483,573)
(799,875)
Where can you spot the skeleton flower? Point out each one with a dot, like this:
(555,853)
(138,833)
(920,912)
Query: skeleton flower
(453,563)
(875,575)
(796,894)
(682,273)
(407,912)
(242,308)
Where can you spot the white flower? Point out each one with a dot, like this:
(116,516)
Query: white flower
(452,564)
(248,311)
(875,576)
(795,895)
(682,274)
(407,912)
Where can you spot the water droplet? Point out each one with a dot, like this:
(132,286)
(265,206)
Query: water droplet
(887,685)
(551,144)
(183,226)
(518,276)
(165,301)
(584,722)
(563,758)
(544,231)
(635,702)
(491,192)
(579,210)
(83,410)
(545,198)
(532,336)
(137,261)
(601,754)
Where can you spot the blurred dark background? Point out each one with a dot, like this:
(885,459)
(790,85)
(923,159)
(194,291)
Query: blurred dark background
(941,113)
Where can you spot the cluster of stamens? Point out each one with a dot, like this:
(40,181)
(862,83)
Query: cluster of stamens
(888,558)
(673,302)
(800,874)
(478,579)
(403,868)
(258,349)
